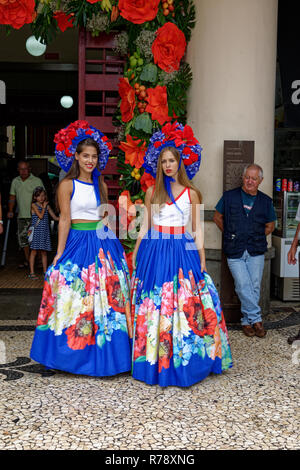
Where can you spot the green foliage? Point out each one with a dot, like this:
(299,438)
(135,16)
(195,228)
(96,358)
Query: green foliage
(185,14)
(143,122)
(149,73)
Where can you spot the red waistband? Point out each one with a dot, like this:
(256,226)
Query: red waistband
(171,230)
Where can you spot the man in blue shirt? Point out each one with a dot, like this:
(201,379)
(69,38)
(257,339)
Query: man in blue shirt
(246,216)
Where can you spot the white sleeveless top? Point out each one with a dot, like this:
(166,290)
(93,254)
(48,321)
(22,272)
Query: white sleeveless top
(170,216)
(84,202)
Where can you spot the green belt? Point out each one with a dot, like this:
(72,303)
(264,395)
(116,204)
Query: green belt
(87,225)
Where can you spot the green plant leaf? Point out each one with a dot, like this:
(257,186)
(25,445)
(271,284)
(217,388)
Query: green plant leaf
(143,122)
(149,73)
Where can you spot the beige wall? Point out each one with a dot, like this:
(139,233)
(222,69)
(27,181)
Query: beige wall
(233,58)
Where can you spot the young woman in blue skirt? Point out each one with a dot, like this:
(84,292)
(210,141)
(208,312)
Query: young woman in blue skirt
(180,335)
(84,324)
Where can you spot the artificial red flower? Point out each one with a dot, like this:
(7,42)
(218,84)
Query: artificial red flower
(94,1)
(16,13)
(147,181)
(114,13)
(114,294)
(169,47)
(138,11)
(128,103)
(186,136)
(190,157)
(83,333)
(158,104)
(63,21)
(134,153)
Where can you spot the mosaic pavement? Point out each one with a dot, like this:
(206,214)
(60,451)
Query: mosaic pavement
(255,405)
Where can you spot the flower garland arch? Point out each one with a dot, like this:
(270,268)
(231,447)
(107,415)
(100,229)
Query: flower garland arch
(153,35)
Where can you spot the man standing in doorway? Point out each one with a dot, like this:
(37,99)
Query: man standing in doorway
(21,191)
(246,216)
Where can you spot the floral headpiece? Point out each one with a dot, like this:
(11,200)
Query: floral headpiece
(68,138)
(180,137)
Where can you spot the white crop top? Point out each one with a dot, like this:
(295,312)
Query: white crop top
(170,216)
(84,202)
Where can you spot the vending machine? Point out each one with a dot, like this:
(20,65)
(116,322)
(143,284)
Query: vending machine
(286,276)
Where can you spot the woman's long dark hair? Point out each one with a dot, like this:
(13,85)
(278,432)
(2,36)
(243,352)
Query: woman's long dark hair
(74,171)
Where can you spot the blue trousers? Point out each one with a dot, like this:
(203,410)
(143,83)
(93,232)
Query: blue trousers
(247,273)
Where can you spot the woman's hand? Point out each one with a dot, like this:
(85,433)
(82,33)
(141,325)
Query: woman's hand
(202,259)
(56,258)
(134,259)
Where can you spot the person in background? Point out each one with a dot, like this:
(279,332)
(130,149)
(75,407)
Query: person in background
(246,216)
(293,260)
(21,191)
(41,242)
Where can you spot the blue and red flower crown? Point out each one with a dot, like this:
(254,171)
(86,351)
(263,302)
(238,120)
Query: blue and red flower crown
(178,136)
(68,138)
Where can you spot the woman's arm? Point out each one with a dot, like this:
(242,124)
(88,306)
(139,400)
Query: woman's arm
(145,225)
(64,198)
(196,228)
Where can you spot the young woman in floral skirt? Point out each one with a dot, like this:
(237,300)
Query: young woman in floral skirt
(84,320)
(180,335)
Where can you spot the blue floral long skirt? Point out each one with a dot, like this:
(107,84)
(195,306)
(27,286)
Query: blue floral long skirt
(180,335)
(84,316)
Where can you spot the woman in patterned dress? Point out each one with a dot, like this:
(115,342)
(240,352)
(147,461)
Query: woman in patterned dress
(84,325)
(180,335)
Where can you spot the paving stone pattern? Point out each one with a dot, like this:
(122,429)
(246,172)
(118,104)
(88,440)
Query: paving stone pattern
(255,405)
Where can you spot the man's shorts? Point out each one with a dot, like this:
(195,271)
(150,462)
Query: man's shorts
(23,226)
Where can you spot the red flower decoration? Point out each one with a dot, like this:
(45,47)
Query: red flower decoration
(46,308)
(134,153)
(63,21)
(146,181)
(165,340)
(83,333)
(169,47)
(140,341)
(94,1)
(128,103)
(138,11)
(158,104)
(16,13)
(115,296)
(185,137)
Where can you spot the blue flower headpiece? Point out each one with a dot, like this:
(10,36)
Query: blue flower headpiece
(180,137)
(67,140)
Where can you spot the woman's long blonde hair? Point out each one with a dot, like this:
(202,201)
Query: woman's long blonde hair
(160,195)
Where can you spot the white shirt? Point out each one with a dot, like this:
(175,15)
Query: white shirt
(170,216)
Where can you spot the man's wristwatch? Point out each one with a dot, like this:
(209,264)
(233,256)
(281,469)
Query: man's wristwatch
(1,222)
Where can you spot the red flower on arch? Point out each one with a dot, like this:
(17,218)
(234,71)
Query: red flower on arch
(138,11)
(128,103)
(169,47)
(16,13)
